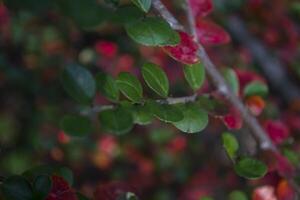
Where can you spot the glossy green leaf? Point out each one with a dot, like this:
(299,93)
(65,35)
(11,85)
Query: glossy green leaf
(130,86)
(250,168)
(237,195)
(86,13)
(107,86)
(194,119)
(143,114)
(256,88)
(42,186)
(118,120)
(195,75)
(127,14)
(152,31)
(156,79)
(167,113)
(76,125)
(230,144)
(232,80)
(79,83)
(16,188)
(144,5)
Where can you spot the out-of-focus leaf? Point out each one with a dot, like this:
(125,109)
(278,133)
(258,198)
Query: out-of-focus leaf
(31,5)
(143,114)
(130,86)
(156,79)
(127,14)
(250,168)
(79,83)
(16,188)
(292,156)
(237,195)
(118,120)
(107,86)
(144,5)
(42,186)
(195,75)
(256,88)
(232,80)
(194,119)
(152,31)
(230,144)
(76,125)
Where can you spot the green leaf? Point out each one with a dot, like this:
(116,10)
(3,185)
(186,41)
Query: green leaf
(195,75)
(118,120)
(86,13)
(250,168)
(194,119)
(35,6)
(142,114)
(127,14)
(79,83)
(130,86)
(167,113)
(292,156)
(65,173)
(230,144)
(237,195)
(152,31)
(42,186)
(16,188)
(107,86)
(144,5)
(76,125)
(256,88)
(232,80)
(156,79)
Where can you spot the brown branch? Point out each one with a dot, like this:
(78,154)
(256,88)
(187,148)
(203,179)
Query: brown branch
(217,79)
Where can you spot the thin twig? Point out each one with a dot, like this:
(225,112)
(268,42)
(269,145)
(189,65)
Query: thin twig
(218,80)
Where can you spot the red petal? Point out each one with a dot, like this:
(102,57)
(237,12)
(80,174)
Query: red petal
(277,131)
(210,33)
(186,51)
(61,190)
(233,120)
(201,8)
(106,48)
(285,191)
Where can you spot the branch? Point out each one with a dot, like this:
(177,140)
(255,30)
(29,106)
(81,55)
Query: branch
(217,79)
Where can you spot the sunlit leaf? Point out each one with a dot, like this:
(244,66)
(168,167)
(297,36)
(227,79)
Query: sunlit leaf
(194,119)
(156,79)
(250,168)
(152,31)
(130,86)
(195,75)
(256,88)
(230,144)
(232,80)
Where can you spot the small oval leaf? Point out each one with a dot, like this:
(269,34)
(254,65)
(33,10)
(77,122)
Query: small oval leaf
(194,119)
(230,144)
(16,188)
(130,86)
(156,79)
(79,83)
(232,80)
(118,120)
(107,86)
(195,75)
(250,168)
(256,88)
(42,186)
(144,5)
(168,113)
(152,31)
(76,125)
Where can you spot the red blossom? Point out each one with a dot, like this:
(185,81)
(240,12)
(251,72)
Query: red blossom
(255,104)
(106,48)
(210,33)
(277,131)
(185,51)
(284,191)
(201,8)
(266,192)
(233,120)
(61,190)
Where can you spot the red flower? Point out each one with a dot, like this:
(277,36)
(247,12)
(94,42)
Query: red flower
(233,120)
(210,33)
(61,190)
(285,191)
(277,131)
(106,48)
(264,193)
(185,51)
(255,104)
(201,7)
